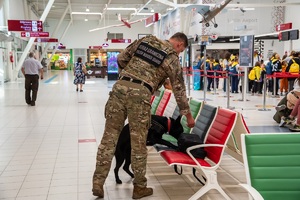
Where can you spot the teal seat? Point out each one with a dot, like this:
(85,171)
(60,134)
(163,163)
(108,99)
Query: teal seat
(272,165)
(156,101)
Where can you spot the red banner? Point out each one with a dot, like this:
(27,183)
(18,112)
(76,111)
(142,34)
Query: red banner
(34,34)
(120,40)
(283,27)
(25,25)
(151,20)
(46,40)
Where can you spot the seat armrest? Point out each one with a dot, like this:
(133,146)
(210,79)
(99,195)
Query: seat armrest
(252,191)
(188,150)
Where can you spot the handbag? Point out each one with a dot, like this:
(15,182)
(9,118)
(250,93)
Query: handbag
(187,140)
(84,70)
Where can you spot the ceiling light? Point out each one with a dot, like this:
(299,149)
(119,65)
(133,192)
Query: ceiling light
(87,9)
(141,13)
(152,10)
(86,19)
(85,13)
(121,9)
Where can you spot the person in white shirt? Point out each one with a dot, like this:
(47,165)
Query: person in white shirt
(31,69)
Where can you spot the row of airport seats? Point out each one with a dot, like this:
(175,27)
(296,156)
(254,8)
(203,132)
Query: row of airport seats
(272,161)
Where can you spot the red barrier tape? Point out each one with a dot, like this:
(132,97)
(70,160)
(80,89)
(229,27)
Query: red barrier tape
(283,75)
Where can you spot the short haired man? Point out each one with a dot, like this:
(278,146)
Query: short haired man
(31,69)
(145,64)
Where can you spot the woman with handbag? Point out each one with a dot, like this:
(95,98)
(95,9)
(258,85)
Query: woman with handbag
(79,73)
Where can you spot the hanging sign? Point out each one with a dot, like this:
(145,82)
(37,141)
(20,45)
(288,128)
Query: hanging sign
(46,40)
(120,40)
(25,25)
(34,34)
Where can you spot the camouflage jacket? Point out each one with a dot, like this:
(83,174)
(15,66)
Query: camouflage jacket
(153,61)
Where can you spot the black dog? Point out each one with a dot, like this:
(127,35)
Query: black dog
(159,126)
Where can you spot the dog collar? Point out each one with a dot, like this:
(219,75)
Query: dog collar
(169,125)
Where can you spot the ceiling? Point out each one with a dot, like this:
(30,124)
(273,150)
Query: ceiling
(134,9)
(140,7)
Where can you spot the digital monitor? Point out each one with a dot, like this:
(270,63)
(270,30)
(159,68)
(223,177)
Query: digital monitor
(97,61)
(246,51)
(294,35)
(284,36)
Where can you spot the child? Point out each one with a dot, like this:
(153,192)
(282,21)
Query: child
(257,80)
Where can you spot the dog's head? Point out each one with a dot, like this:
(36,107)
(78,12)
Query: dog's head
(176,128)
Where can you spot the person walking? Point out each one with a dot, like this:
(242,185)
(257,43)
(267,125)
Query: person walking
(31,69)
(145,64)
(79,73)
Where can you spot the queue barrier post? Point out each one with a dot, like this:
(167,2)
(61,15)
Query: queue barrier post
(215,83)
(265,94)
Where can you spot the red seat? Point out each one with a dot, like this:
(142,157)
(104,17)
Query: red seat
(152,98)
(215,143)
(163,103)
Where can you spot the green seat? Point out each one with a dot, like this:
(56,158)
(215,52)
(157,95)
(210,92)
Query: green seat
(195,108)
(156,101)
(272,165)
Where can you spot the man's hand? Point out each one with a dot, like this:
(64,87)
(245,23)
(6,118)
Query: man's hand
(42,77)
(190,120)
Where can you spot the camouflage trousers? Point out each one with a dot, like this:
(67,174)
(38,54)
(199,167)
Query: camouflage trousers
(130,100)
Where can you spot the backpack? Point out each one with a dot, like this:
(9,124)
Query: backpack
(251,75)
(294,68)
(269,68)
(187,140)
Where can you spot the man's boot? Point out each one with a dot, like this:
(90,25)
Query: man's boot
(140,192)
(98,190)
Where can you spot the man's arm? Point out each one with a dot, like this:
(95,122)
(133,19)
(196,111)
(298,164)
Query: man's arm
(23,70)
(190,120)
(42,73)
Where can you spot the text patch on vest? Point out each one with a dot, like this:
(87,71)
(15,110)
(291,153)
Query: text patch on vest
(150,54)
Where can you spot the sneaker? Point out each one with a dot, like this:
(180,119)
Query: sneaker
(285,121)
(295,128)
(281,107)
(140,192)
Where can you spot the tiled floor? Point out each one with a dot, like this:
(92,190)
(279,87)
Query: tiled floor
(48,151)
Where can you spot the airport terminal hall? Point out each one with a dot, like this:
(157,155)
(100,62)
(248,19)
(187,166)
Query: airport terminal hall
(149,99)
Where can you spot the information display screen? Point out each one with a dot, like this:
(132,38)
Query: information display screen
(246,51)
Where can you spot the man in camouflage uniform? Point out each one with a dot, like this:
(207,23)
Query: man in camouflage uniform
(145,64)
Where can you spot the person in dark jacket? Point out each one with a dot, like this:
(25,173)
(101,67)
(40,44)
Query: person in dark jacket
(276,67)
(294,58)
